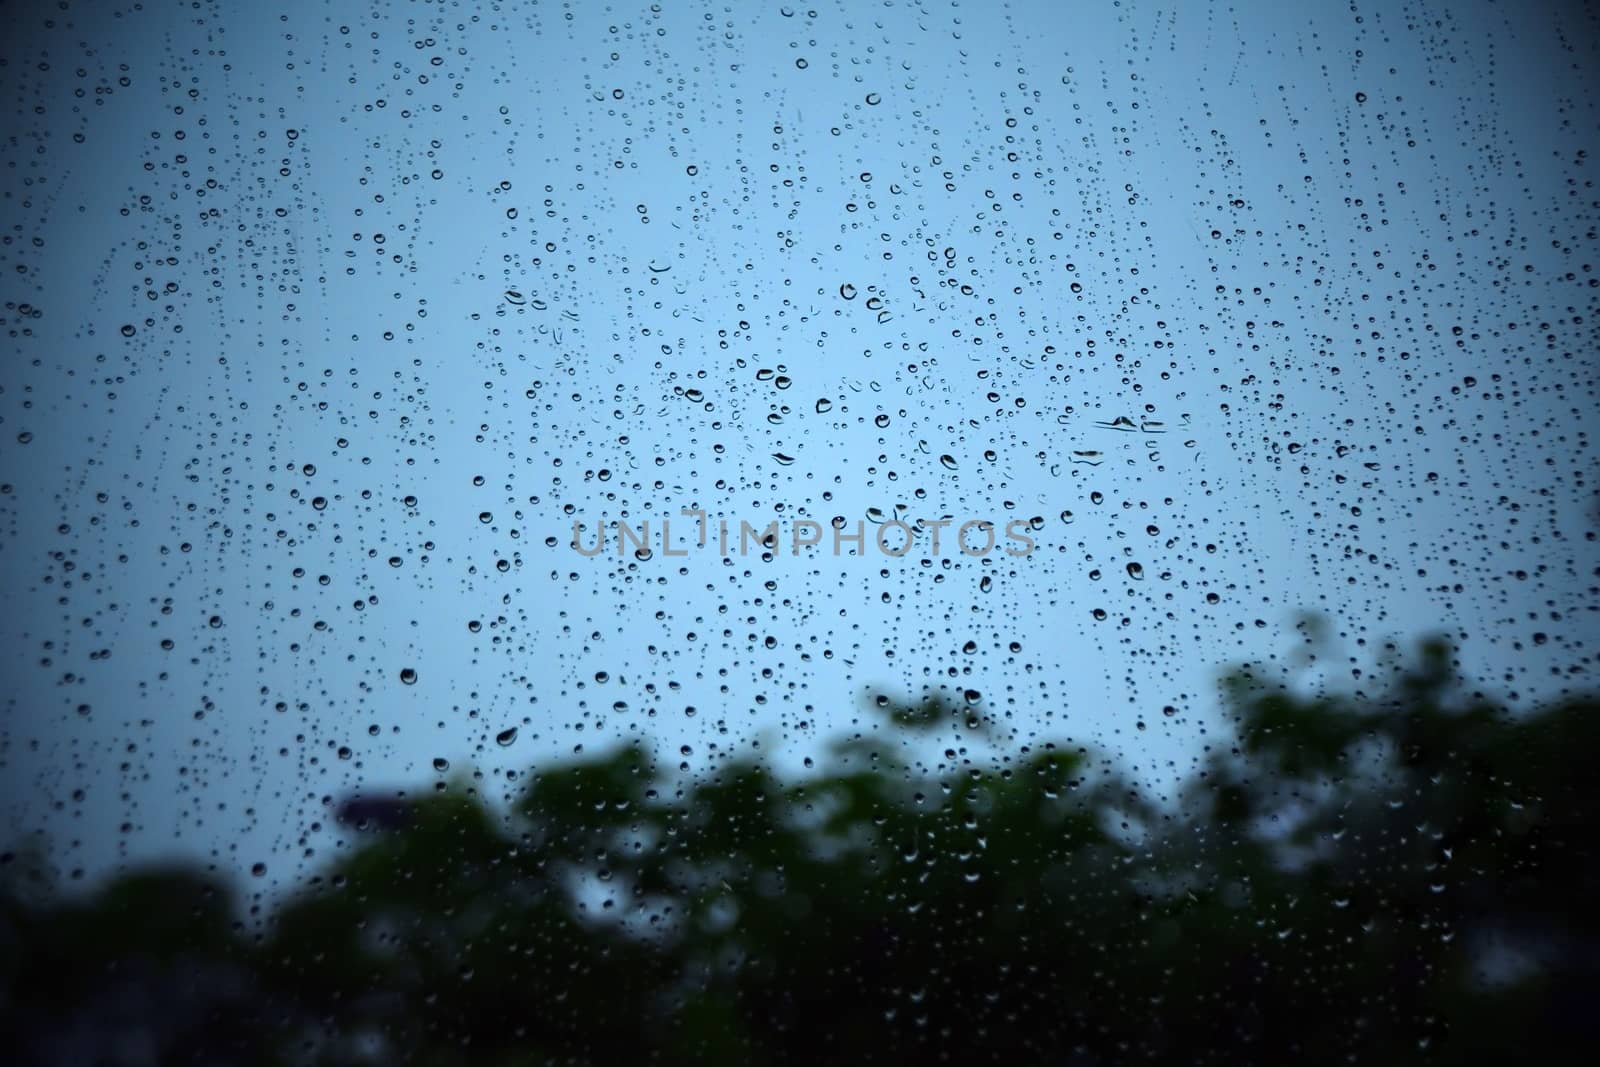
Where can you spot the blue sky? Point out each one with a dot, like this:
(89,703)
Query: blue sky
(592,261)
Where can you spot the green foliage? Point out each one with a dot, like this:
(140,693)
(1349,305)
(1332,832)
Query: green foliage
(1403,877)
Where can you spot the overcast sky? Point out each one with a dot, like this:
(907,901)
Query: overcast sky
(325,327)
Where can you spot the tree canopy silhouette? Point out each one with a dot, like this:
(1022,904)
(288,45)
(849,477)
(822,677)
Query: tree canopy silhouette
(1405,876)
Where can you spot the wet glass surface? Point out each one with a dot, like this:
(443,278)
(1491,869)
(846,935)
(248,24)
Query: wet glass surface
(796,533)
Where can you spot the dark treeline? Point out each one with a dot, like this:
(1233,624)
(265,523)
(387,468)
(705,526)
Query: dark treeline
(1406,876)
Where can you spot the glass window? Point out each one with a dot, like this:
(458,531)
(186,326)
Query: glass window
(745,532)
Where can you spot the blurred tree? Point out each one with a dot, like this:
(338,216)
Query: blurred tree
(1400,877)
